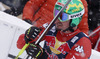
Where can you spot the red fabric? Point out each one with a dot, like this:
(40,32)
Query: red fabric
(98,47)
(20,42)
(83,26)
(82,42)
(46,8)
(86,44)
(30,8)
(80,53)
(65,36)
(43,16)
(95,36)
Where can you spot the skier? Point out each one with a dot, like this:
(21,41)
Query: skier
(64,40)
(41,11)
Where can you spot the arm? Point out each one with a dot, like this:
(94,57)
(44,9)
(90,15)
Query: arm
(83,26)
(81,50)
(30,8)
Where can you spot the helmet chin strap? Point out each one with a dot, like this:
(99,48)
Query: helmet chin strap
(69,28)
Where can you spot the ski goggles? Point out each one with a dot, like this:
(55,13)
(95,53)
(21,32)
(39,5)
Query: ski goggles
(65,17)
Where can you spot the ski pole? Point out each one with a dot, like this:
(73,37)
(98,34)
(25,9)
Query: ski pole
(22,50)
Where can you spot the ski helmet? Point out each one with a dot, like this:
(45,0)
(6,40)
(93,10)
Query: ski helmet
(74,11)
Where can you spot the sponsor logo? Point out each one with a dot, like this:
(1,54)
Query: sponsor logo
(45,25)
(74,39)
(60,4)
(79,49)
(76,15)
(53,29)
(73,57)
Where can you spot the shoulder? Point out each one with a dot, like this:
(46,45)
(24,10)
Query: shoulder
(84,41)
(83,45)
(82,48)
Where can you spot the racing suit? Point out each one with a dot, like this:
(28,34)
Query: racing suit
(60,45)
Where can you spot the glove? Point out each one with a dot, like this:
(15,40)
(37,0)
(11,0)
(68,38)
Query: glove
(31,34)
(34,50)
(13,11)
(28,21)
(9,11)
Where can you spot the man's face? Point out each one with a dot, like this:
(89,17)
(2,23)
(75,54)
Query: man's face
(62,25)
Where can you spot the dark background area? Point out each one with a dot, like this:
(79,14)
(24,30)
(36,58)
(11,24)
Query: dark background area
(93,13)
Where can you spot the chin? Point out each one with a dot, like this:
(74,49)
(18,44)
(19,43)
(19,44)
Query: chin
(58,28)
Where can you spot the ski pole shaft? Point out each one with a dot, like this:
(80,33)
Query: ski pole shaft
(22,50)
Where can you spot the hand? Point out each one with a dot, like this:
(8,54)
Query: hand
(14,11)
(31,34)
(34,50)
(9,11)
(28,21)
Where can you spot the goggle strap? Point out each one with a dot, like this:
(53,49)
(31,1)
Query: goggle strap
(76,15)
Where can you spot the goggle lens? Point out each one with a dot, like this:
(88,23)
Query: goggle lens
(63,17)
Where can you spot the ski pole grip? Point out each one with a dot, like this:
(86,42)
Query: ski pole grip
(22,50)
